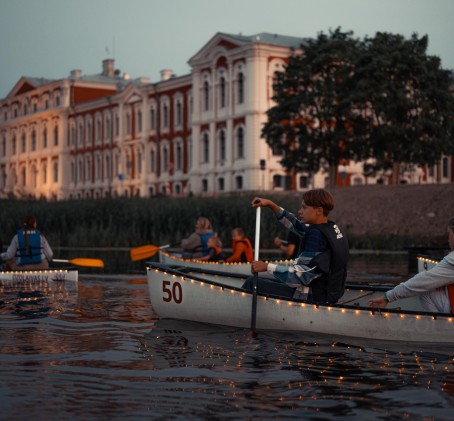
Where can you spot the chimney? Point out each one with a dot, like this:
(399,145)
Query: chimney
(108,67)
(166,74)
(76,73)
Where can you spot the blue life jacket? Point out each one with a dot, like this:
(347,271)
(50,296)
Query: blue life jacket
(204,241)
(33,253)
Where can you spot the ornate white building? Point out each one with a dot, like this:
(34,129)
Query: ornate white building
(96,135)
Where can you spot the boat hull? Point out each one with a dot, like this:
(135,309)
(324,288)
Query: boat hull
(218,299)
(53,275)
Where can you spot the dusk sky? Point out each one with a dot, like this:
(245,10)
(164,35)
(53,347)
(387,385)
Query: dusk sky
(49,38)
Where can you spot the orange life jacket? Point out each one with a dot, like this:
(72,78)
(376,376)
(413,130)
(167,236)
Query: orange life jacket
(451,296)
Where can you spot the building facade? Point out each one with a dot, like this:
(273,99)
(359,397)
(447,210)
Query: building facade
(109,135)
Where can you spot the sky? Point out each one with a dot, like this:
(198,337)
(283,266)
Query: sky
(49,38)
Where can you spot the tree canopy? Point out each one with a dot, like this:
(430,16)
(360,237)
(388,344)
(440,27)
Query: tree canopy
(346,99)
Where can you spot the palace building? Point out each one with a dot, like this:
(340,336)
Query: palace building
(92,136)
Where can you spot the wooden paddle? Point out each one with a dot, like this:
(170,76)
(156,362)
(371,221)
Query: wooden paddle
(82,261)
(144,252)
(256,275)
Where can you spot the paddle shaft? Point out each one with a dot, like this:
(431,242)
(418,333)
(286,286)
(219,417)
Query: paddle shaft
(256,275)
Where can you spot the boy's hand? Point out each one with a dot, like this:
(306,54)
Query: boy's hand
(258,266)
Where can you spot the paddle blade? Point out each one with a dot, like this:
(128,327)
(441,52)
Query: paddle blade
(82,261)
(143,252)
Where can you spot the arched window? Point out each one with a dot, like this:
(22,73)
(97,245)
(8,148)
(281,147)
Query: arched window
(73,172)
(139,121)
(128,123)
(45,137)
(240,142)
(222,147)
(165,112)
(33,143)
(152,119)
(44,176)
(204,185)
(23,143)
(179,157)
(240,88)
(165,159)
(222,93)
(56,135)
(221,184)
(14,145)
(179,114)
(108,170)
(206,96)
(152,161)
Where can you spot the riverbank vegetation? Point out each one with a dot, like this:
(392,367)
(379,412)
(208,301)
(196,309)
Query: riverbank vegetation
(128,222)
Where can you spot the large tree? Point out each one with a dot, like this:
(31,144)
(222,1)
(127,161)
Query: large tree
(382,98)
(407,109)
(310,122)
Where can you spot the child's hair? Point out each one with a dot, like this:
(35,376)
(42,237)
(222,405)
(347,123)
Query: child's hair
(29,222)
(319,198)
(204,223)
(239,231)
(216,241)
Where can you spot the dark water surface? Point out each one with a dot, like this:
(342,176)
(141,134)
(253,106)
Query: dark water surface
(97,351)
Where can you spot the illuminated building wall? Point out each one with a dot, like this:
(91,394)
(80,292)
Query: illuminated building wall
(90,136)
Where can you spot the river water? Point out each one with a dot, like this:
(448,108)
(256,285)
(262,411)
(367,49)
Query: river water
(96,351)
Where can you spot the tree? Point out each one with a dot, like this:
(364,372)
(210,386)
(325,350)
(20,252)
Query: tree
(310,122)
(405,111)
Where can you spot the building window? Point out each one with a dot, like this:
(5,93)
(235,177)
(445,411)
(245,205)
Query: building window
(152,161)
(55,172)
(152,119)
(222,96)
(56,135)
(445,167)
(179,113)
(108,129)
(179,158)
(128,123)
(44,177)
(304,182)
(24,143)
(222,147)
(205,148)
(73,172)
(221,184)
(33,144)
(108,171)
(98,130)
(117,126)
(206,96)
(139,121)
(3,146)
(240,142)
(165,159)
(13,145)
(239,182)
(165,112)
(204,185)
(240,88)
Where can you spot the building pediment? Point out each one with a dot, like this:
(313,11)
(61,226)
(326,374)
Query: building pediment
(27,84)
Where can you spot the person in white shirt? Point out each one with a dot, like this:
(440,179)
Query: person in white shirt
(432,286)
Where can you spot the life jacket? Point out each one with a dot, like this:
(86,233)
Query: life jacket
(451,296)
(217,254)
(332,262)
(204,241)
(32,254)
(247,255)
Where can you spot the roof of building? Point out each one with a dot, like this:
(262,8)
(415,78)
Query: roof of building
(269,38)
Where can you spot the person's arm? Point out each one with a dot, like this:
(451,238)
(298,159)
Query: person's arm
(46,248)
(190,243)
(11,252)
(238,248)
(439,276)
(284,246)
(265,203)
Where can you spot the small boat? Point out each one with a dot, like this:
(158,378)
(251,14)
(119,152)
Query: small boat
(173,259)
(215,297)
(425,263)
(37,276)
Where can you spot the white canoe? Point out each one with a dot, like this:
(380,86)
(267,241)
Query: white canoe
(173,259)
(216,298)
(38,276)
(425,263)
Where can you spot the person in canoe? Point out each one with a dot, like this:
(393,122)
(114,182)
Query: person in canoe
(318,273)
(290,247)
(242,251)
(214,250)
(435,287)
(196,245)
(29,249)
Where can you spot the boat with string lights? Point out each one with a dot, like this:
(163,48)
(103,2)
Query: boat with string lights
(38,276)
(216,297)
(174,259)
